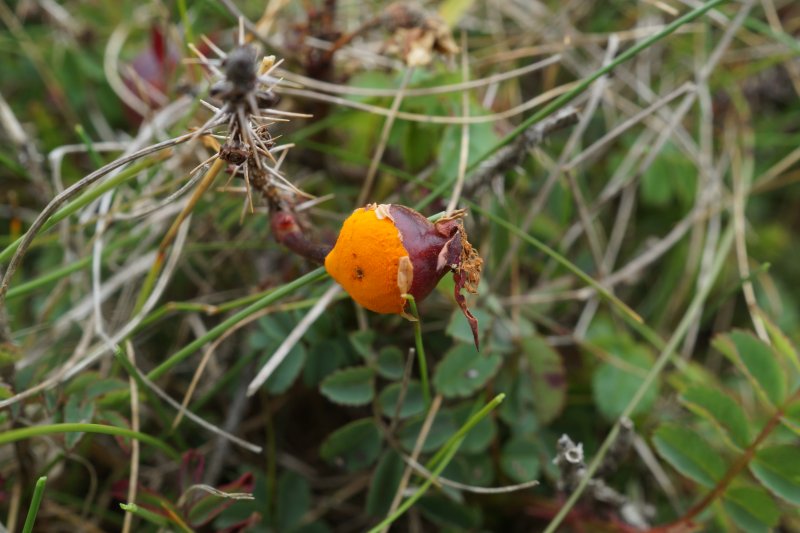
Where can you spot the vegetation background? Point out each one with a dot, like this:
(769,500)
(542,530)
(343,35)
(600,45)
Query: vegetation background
(630,173)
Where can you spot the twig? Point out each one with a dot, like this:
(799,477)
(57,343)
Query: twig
(510,156)
(423,434)
(292,339)
(68,194)
(133,480)
(463,155)
(661,362)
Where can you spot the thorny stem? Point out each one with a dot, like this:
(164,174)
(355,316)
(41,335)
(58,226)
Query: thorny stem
(423,364)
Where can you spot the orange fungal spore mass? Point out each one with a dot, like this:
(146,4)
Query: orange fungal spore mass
(365,261)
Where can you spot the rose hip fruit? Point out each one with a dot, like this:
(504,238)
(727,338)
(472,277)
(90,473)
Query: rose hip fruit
(386,251)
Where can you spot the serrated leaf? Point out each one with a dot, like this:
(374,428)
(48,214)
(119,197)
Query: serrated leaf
(362,343)
(548,381)
(778,469)
(391,363)
(518,409)
(755,360)
(353,446)
(720,409)
(476,470)
(442,428)
(294,500)
(519,460)
(791,420)
(283,376)
(781,342)
(350,386)
(751,508)
(324,359)
(615,383)
(478,439)
(689,454)
(463,371)
(413,402)
(384,483)
(447,514)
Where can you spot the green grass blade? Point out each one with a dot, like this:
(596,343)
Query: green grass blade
(84,200)
(216,332)
(36,501)
(55,429)
(560,259)
(664,357)
(440,461)
(568,96)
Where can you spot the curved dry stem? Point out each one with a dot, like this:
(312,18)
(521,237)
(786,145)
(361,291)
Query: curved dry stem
(433,119)
(335,88)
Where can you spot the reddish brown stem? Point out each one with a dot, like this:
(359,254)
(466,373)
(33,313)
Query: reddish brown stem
(741,463)
(289,233)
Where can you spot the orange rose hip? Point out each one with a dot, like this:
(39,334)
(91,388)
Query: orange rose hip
(386,251)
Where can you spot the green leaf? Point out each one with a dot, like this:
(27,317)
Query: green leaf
(478,439)
(413,402)
(476,470)
(451,11)
(459,328)
(689,454)
(76,412)
(463,371)
(668,179)
(721,410)
(293,500)
(350,386)
(615,383)
(548,381)
(755,360)
(519,459)
(751,508)
(442,428)
(519,410)
(362,343)
(283,376)
(354,446)
(391,364)
(324,358)
(781,342)
(778,469)
(446,513)
(384,483)
(103,386)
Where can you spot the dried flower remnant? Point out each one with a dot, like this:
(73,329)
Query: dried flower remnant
(417,33)
(386,251)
